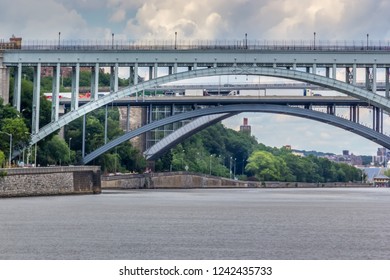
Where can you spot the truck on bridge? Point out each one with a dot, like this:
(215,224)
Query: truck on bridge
(196,92)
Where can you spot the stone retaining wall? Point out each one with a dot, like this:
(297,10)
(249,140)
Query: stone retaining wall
(50,181)
(194,180)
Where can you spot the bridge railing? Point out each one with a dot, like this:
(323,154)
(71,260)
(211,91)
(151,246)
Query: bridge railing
(264,45)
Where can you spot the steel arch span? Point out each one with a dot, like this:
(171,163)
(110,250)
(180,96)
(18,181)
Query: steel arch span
(182,133)
(333,84)
(356,128)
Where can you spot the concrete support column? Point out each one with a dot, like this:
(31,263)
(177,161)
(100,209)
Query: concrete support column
(368,78)
(36,99)
(17,87)
(327,72)
(114,78)
(131,75)
(155,74)
(95,82)
(75,87)
(307,69)
(170,70)
(354,73)
(150,72)
(136,73)
(314,68)
(334,72)
(294,66)
(55,100)
(387,74)
(374,78)
(195,66)
(175,68)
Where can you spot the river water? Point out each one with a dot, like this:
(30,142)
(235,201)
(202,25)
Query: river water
(199,224)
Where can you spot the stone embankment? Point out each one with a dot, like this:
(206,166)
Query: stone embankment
(193,180)
(63,180)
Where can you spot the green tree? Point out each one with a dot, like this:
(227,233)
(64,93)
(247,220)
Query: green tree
(2,159)
(265,166)
(56,151)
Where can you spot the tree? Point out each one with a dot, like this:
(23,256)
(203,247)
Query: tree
(56,151)
(265,166)
(2,159)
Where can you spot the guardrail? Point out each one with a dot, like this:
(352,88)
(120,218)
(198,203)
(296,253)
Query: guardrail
(182,45)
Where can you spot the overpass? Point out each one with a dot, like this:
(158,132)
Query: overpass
(298,62)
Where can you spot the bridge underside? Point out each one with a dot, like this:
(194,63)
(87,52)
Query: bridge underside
(229,110)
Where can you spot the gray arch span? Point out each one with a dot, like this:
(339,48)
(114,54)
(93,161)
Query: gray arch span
(356,128)
(181,134)
(333,84)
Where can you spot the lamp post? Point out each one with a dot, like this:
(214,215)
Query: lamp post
(234,169)
(230,168)
(112,40)
(314,40)
(368,35)
(175,40)
(59,39)
(10,147)
(182,161)
(70,139)
(210,163)
(35,151)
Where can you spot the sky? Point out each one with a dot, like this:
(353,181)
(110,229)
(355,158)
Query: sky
(215,20)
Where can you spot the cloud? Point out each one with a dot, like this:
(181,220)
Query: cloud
(41,20)
(190,19)
(197,19)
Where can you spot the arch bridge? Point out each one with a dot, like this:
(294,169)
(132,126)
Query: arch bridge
(294,62)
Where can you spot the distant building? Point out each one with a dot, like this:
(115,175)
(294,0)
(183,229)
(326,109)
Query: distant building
(245,128)
(381,157)
(345,152)
(14,43)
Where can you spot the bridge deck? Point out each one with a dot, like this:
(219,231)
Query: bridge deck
(227,100)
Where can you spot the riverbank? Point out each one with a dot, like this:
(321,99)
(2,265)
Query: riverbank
(188,180)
